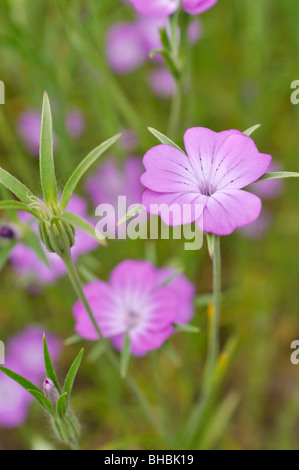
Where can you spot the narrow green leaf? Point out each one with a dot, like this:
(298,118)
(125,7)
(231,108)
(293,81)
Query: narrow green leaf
(32,240)
(49,368)
(70,378)
(203,300)
(125,357)
(211,243)
(278,175)
(82,168)
(5,253)
(252,129)
(15,186)
(47,170)
(186,328)
(72,340)
(61,405)
(43,401)
(172,277)
(26,384)
(5,195)
(80,223)
(130,214)
(17,206)
(163,139)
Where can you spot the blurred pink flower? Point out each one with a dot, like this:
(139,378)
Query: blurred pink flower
(110,181)
(212,174)
(75,124)
(27,263)
(168,7)
(135,302)
(162,82)
(272,188)
(129,44)
(29,126)
(259,227)
(24,356)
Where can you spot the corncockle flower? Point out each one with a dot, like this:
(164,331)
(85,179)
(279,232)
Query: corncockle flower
(25,351)
(8,232)
(29,265)
(168,7)
(75,124)
(29,127)
(136,302)
(162,82)
(272,188)
(110,181)
(24,355)
(50,391)
(129,44)
(212,174)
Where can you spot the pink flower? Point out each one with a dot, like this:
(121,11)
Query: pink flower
(212,174)
(111,181)
(162,82)
(135,302)
(168,7)
(28,264)
(29,126)
(24,355)
(129,44)
(75,123)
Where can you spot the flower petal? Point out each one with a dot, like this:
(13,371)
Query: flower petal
(195,7)
(176,208)
(168,170)
(156,7)
(228,210)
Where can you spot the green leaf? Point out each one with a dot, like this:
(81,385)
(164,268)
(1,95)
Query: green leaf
(5,253)
(203,300)
(278,175)
(172,277)
(130,214)
(163,139)
(47,170)
(186,328)
(80,223)
(26,384)
(61,405)
(49,368)
(125,357)
(211,243)
(15,186)
(43,401)
(32,240)
(252,129)
(70,378)
(82,168)
(17,206)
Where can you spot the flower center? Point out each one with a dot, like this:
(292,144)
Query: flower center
(132,319)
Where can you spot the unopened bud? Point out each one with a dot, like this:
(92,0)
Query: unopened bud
(8,232)
(50,391)
(58,237)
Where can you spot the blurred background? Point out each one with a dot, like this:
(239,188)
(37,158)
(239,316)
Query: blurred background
(241,70)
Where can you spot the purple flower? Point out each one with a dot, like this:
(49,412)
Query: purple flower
(212,174)
(168,7)
(75,124)
(24,356)
(136,302)
(111,181)
(29,126)
(162,82)
(129,44)
(28,264)
(271,188)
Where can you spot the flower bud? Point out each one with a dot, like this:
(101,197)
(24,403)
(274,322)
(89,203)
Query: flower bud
(50,391)
(58,237)
(8,232)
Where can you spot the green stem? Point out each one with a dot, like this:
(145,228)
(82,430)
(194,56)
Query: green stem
(214,346)
(209,388)
(132,385)
(175,112)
